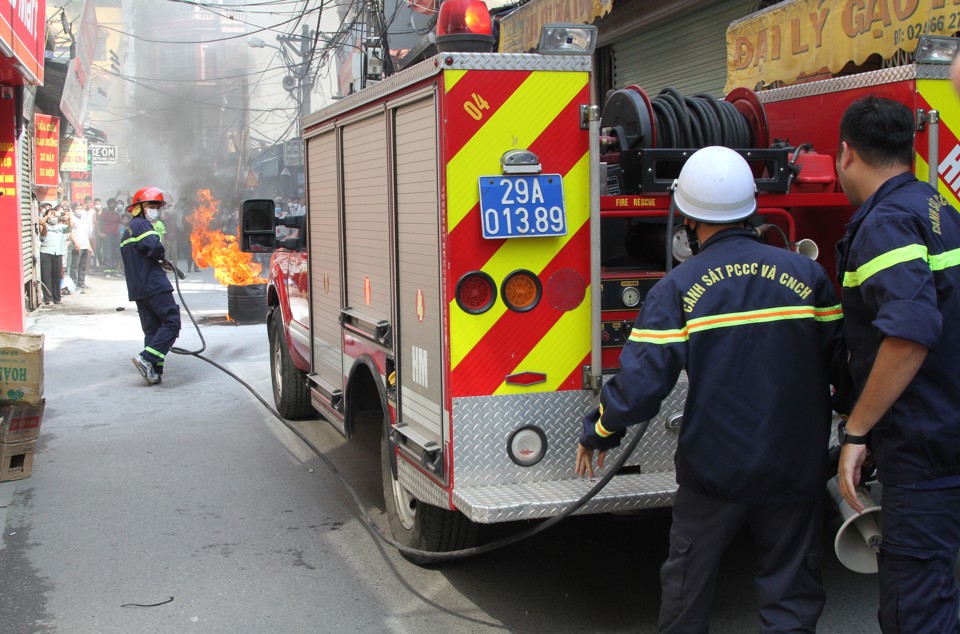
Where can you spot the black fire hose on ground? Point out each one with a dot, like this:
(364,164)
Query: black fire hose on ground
(180,275)
(368,521)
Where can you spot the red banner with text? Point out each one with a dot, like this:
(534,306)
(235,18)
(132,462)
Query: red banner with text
(47,150)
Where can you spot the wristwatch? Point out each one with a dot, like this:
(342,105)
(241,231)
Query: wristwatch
(849,439)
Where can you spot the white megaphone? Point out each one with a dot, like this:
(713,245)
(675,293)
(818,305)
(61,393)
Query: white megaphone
(807,247)
(859,537)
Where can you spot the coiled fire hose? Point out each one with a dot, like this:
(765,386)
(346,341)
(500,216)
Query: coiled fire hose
(698,121)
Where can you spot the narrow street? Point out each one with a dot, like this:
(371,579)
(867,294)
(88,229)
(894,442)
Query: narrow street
(191,490)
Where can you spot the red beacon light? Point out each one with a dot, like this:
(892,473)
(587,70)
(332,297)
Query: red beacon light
(464,26)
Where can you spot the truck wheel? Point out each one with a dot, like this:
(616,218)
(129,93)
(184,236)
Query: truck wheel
(290,391)
(420,525)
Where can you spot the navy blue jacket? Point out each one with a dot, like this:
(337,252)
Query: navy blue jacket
(898,267)
(757,329)
(142,252)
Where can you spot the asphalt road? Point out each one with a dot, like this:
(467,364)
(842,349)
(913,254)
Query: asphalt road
(191,490)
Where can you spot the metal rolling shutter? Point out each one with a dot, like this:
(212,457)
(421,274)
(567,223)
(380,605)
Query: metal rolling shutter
(418,260)
(688,53)
(28,238)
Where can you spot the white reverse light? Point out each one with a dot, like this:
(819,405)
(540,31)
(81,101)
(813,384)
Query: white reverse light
(567,39)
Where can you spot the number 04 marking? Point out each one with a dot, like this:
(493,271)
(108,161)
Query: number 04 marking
(474,107)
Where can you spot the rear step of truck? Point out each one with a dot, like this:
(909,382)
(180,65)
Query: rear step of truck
(524,501)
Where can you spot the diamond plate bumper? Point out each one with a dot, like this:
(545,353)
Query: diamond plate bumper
(482,425)
(489,488)
(507,503)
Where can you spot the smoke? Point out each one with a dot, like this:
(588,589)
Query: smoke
(190,102)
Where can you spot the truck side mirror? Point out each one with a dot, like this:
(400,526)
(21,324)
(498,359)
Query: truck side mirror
(291,233)
(257,226)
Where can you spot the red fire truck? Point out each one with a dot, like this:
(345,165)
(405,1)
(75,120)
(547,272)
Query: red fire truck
(478,241)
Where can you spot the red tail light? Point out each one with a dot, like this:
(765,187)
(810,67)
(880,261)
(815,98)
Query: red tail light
(464,25)
(476,292)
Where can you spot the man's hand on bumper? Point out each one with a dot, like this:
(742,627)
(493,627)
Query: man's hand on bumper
(584,463)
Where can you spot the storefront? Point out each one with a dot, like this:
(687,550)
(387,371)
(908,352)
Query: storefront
(648,43)
(799,41)
(22,38)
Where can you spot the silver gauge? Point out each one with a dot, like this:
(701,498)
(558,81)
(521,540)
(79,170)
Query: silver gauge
(630,296)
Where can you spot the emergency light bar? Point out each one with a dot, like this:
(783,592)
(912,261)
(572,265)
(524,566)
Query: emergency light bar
(567,39)
(464,26)
(933,49)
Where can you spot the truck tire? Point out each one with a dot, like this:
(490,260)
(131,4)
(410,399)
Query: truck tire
(420,525)
(290,391)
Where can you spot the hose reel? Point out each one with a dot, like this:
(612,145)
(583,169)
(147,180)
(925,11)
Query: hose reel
(635,128)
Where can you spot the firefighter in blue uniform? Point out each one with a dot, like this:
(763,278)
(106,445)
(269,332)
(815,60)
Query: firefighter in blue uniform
(148,285)
(756,328)
(899,267)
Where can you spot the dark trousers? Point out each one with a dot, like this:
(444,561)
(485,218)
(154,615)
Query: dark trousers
(51,272)
(789,591)
(160,320)
(112,250)
(78,267)
(921,538)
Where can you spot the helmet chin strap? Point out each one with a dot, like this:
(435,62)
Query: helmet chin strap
(692,240)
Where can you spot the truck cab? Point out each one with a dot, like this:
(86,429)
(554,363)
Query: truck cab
(271,230)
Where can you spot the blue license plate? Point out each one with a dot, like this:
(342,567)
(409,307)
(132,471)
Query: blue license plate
(522,206)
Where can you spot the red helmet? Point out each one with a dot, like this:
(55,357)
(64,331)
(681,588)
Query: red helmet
(146,195)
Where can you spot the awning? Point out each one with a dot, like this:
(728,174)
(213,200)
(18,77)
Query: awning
(520,30)
(801,37)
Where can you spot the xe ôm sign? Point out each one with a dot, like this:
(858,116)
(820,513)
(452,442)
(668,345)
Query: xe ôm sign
(799,37)
(47,150)
(103,154)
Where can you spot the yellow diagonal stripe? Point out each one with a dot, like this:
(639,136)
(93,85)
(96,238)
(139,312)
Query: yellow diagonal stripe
(558,353)
(451,77)
(516,124)
(533,254)
(940,95)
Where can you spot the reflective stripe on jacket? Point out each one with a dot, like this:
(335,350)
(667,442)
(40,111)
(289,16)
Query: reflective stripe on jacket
(899,266)
(756,328)
(142,251)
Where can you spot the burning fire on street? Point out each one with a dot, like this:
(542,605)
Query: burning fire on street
(246,289)
(213,248)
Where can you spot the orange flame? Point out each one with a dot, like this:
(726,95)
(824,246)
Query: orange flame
(211,247)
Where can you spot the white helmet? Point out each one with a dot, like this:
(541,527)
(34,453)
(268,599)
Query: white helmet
(715,186)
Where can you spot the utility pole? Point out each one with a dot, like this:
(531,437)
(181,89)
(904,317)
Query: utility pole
(302,47)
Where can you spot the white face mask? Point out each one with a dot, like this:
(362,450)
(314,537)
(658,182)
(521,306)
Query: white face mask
(51,221)
(153,215)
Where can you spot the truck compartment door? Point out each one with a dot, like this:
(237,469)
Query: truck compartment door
(325,261)
(367,224)
(419,345)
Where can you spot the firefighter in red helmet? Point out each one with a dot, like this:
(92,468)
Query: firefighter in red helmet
(146,195)
(148,284)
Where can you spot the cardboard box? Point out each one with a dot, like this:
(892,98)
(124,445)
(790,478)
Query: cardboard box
(20,421)
(16,459)
(21,367)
